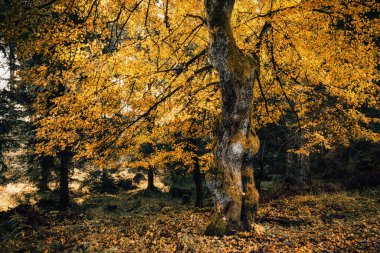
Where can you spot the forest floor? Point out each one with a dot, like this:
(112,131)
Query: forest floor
(137,222)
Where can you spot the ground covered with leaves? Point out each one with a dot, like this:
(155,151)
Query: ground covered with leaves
(325,222)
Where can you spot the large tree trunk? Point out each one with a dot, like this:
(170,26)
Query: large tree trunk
(231,180)
(198,184)
(64,199)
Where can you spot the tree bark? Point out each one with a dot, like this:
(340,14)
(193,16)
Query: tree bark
(198,184)
(64,199)
(12,66)
(297,165)
(147,149)
(231,180)
(151,186)
(304,160)
(47,165)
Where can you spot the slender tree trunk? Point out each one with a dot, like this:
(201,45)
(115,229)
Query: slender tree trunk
(64,199)
(304,160)
(12,66)
(231,181)
(297,165)
(147,149)
(151,186)
(47,165)
(198,184)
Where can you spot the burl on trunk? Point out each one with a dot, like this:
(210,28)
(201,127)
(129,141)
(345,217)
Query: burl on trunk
(231,179)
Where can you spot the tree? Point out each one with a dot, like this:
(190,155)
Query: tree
(65,160)
(231,180)
(118,64)
(146,148)
(15,109)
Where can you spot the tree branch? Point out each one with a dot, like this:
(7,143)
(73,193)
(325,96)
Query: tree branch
(263,31)
(278,79)
(198,17)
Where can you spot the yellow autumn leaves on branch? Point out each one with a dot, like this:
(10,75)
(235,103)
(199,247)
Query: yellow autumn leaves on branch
(110,75)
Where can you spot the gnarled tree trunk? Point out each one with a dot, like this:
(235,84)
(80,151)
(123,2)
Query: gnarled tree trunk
(231,179)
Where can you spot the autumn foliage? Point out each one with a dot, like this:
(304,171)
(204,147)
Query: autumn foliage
(109,78)
(111,75)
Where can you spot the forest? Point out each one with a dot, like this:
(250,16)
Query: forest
(189,126)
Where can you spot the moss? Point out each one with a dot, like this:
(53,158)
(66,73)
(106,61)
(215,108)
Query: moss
(253,142)
(239,137)
(218,227)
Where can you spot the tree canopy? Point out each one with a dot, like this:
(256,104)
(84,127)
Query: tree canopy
(106,72)
(109,76)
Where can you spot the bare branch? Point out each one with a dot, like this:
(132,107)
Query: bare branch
(264,30)
(166,19)
(198,17)
(279,81)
